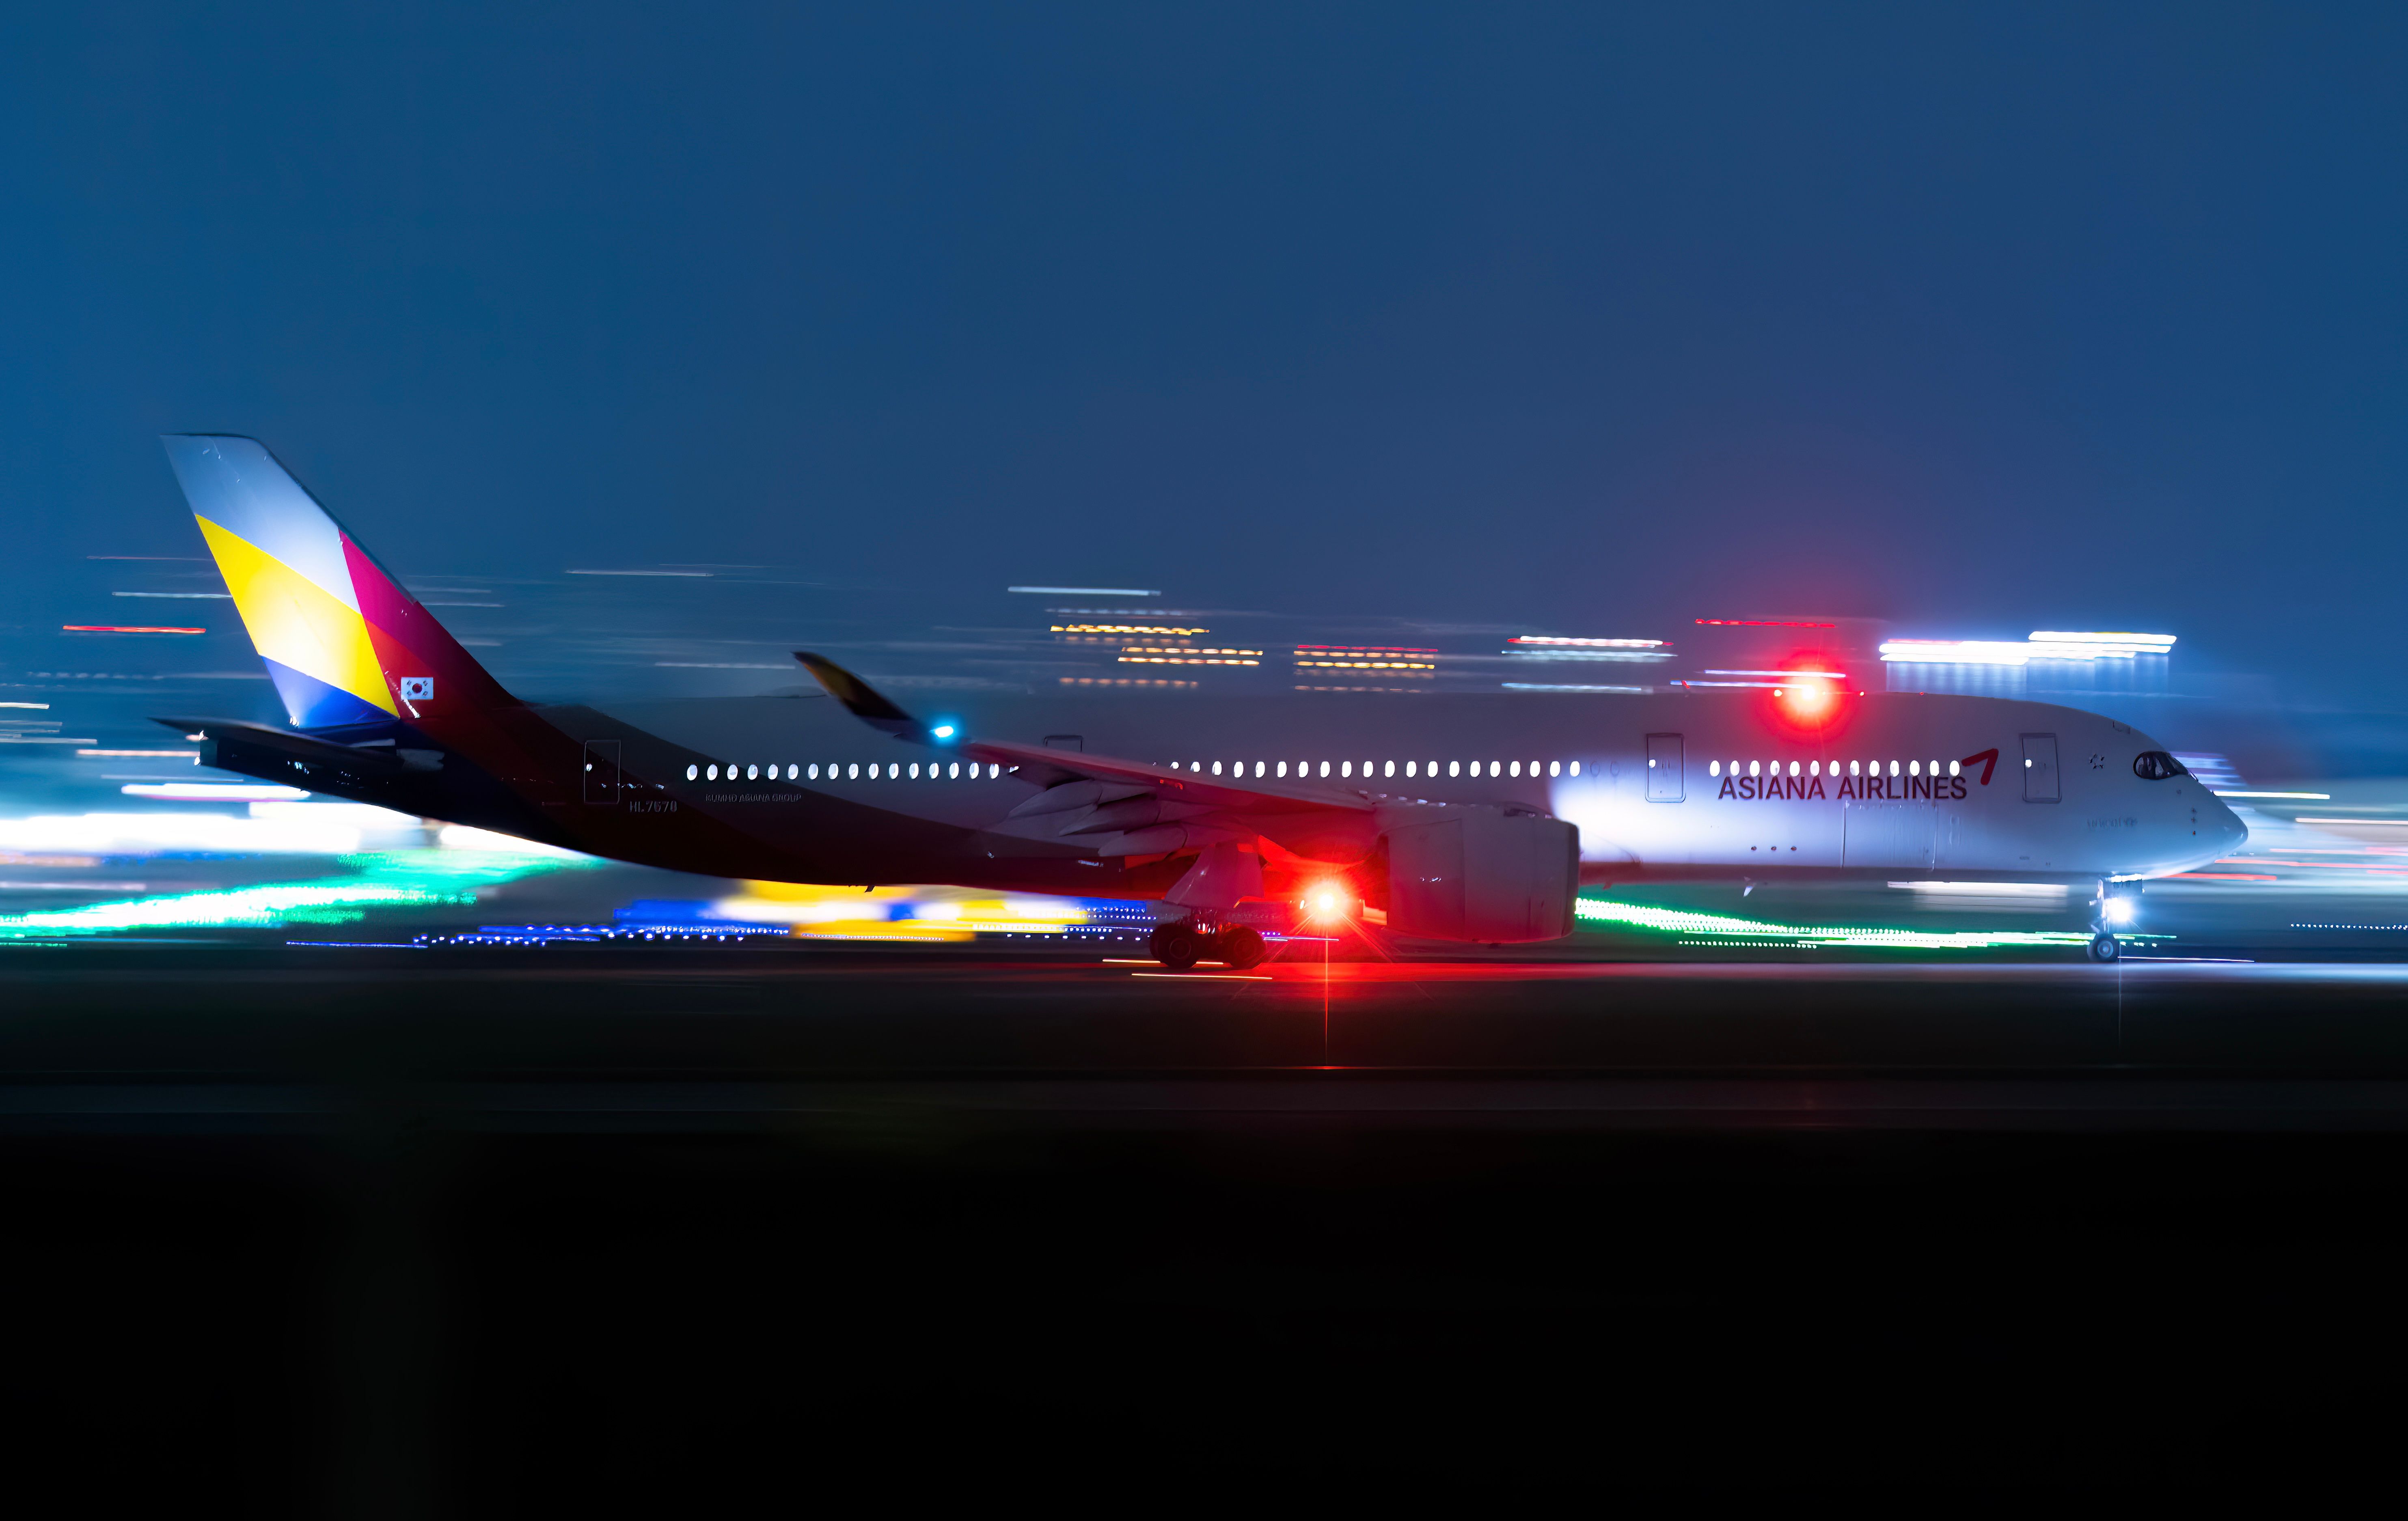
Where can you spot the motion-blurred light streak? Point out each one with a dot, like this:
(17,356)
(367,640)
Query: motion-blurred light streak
(154,833)
(409,878)
(1752,931)
(1082,591)
(2043,644)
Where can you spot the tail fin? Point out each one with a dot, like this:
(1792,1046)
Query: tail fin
(344,643)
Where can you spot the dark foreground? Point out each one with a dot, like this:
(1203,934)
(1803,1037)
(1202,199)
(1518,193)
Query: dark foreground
(317,1232)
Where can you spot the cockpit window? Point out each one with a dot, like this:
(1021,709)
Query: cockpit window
(2156,767)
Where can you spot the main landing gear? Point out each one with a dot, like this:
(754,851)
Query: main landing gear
(1182,943)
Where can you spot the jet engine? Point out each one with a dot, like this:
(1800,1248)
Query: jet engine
(1484,875)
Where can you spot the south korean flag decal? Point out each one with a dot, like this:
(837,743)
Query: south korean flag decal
(417,689)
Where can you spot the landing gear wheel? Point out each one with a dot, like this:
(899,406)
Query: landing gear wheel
(1241,947)
(2104,947)
(1176,946)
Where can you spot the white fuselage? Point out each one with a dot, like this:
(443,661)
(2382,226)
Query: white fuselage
(1976,788)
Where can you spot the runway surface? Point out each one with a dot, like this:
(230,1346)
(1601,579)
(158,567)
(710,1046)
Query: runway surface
(556,1037)
(400,1232)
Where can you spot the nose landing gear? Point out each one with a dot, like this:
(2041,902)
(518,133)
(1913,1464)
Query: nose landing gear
(1183,942)
(2118,906)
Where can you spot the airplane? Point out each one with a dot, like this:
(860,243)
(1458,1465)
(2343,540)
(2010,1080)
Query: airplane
(1471,817)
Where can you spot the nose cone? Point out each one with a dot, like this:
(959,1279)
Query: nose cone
(2230,832)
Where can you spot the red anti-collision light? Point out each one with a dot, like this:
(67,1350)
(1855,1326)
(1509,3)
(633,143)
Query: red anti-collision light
(1810,698)
(1327,903)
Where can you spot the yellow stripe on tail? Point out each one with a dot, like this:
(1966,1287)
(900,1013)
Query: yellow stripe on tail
(294,623)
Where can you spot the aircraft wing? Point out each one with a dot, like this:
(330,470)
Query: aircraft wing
(1035,762)
(1116,807)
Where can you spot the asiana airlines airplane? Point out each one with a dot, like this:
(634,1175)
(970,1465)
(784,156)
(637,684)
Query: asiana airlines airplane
(1472,818)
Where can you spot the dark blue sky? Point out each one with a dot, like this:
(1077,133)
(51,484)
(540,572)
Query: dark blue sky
(1978,320)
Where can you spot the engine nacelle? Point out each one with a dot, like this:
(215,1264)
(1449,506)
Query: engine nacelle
(1485,874)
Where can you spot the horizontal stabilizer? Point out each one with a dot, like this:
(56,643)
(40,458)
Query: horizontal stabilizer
(261,750)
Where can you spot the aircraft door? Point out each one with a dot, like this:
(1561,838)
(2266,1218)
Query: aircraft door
(1664,768)
(602,771)
(2039,768)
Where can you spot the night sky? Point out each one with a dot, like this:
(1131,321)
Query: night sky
(1590,319)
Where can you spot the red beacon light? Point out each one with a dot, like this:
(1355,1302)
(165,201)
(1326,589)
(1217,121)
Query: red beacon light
(1809,696)
(1327,903)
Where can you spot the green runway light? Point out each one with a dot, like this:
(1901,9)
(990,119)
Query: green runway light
(390,879)
(1720,929)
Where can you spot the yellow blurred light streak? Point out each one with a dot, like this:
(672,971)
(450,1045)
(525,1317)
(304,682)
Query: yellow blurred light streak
(900,912)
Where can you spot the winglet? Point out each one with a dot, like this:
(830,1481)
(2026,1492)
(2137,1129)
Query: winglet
(863,701)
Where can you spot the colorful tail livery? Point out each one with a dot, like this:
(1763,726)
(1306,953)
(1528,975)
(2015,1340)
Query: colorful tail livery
(344,643)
